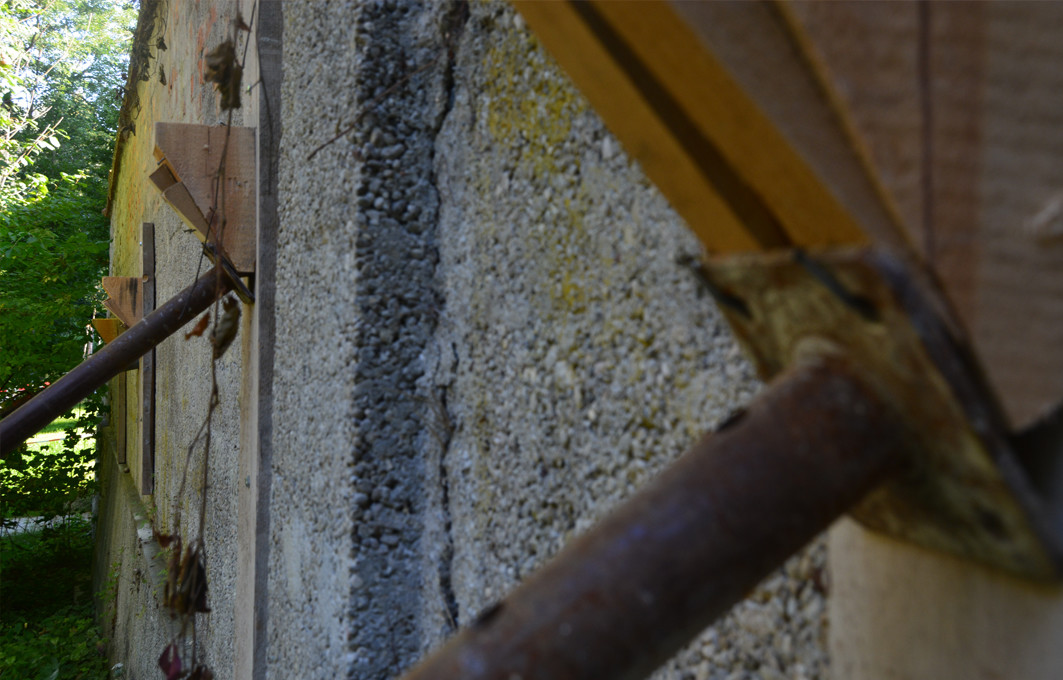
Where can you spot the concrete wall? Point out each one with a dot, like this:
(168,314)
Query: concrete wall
(482,344)
(167,85)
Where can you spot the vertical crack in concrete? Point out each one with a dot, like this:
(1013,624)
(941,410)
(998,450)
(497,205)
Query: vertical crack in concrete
(453,23)
(406,79)
(446,556)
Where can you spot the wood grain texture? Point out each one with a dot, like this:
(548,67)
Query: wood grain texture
(868,55)
(903,612)
(1018,326)
(660,150)
(960,107)
(108,328)
(125,299)
(194,154)
(743,176)
(752,41)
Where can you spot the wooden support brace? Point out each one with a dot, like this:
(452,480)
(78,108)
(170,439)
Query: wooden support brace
(109,328)
(190,160)
(125,298)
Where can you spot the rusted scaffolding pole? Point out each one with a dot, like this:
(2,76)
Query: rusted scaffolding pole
(624,597)
(65,393)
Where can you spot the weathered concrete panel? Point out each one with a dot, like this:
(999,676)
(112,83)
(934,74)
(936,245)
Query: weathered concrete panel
(576,357)
(482,343)
(169,87)
(356,300)
(488,344)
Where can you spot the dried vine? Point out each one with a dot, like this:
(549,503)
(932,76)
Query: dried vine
(185,591)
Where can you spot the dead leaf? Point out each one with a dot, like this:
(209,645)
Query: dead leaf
(225,72)
(170,662)
(200,326)
(225,329)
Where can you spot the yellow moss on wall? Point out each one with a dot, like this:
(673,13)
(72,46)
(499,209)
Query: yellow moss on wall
(528,106)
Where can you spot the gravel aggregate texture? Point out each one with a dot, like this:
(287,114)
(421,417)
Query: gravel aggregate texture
(489,344)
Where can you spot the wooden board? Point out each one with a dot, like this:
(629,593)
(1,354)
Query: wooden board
(108,328)
(125,298)
(193,155)
(146,480)
(960,105)
(900,611)
(718,156)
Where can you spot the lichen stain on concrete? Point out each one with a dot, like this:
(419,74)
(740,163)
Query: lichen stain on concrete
(529,108)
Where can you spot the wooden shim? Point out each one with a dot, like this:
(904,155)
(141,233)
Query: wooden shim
(176,195)
(147,369)
(192,154)
(125,298)
(108,328)
(680,112)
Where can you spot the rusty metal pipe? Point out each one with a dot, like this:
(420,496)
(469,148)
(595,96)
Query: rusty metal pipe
(65,393)
(623,598)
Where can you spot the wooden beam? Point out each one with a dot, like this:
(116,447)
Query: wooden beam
(125,299)
(724,163)
(190,158)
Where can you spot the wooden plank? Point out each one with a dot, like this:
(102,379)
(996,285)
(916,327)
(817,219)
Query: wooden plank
(874,58)
(869,56)
(250,643)
(962,107)
(194,156)
(125,298)
(661,150)
(147,368)
(678,109)
(900,611)
(108,328)
(961,104)
(1018,301)
(176,195)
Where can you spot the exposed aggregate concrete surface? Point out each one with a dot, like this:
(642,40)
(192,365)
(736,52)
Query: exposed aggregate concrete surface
(577,357)
(484,343)
(355,280)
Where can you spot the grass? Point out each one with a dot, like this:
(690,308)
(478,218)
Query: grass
(61,424)
(47,630)
(55,447)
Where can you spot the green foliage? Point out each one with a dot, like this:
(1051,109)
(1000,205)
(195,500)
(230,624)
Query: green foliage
(61,65)
(46,624)
(52,480)
(50,264)
(61,71)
